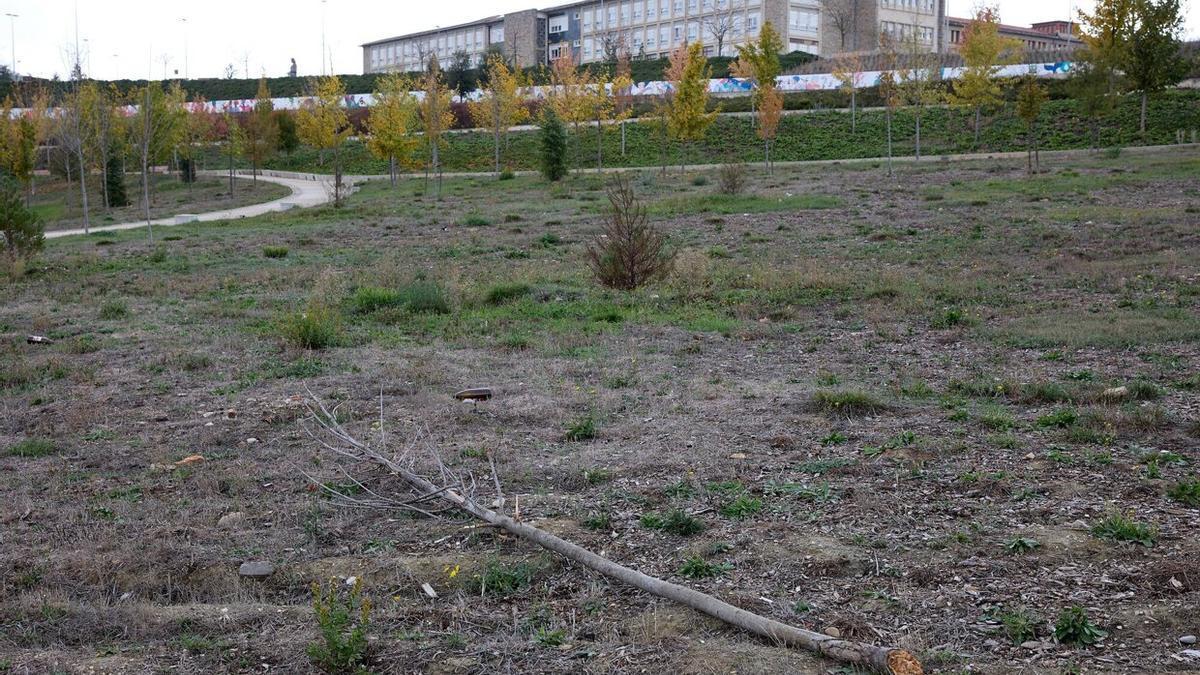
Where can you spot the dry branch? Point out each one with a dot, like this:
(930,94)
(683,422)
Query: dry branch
(456,492)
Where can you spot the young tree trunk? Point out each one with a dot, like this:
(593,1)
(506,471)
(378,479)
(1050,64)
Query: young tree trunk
(622,138)
(1142,127)
(599,145)
(976,127)
(392,169)
(231,173)
(437,170)
(496,124)
(83,189)
(1029,152)
(1037,158)
(337,178)
(146,188)
(104,179)
(854,111)
(918,135)
(889,140)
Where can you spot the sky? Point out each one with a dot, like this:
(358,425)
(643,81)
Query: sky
(173,38)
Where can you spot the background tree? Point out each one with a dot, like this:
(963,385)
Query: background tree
(323,124)
(770,110)
(150,134)
(393,121)
(232,140)
(889,88)
(260,131)
(76,136)
(847,17)
(662,105)
(22,234)
(436,116)
(461,76)
(195,132)
(847,69)
(687,116)
(1106,33)
(919,83)
(1030,97)
(629,252)
(501,105)
(1090,87)
(622,85)
(721,24)
(107,133)
(758,62)
(18,146)
(1153,61)
(599,97)
(289,141)
(554,146)
(571,95)
(984,53)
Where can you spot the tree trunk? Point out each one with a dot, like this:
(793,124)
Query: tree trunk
(976,127)
(599,145)
(918,145)
(1142,127)
(392,169)
(622,138)
(881,659)
(1037,157)
(437,170)
(146,188)
(1029,152)
(854,111)
(497,122)
(83,189)
(231,173)
(889,140)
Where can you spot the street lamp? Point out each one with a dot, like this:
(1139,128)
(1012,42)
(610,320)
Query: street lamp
(12,27)
(323,37)
(183,20)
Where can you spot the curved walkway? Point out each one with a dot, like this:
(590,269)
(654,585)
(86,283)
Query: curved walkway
(307,190)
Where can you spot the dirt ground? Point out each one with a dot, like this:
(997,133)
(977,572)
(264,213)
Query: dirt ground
(911,410)
(59,204)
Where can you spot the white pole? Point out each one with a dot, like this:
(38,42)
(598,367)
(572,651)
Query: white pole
(323,37)
(12,27)
(183,20)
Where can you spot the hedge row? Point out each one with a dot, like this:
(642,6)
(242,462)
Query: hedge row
(816,135)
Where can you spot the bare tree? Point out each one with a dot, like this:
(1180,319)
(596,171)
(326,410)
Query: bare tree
(414,477)
(720,25)
(613,44)
(847,17)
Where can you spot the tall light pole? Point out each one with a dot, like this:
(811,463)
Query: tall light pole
(183,20)
(12,28)
(323,37)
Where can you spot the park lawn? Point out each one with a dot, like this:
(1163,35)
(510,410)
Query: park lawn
(871,408)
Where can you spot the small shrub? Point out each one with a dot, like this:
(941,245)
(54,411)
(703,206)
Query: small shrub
(741,508)
(1118,527)
(1021,545)
(846,402)
(32,447)
(114,309)
(1019,626)
(554,146)
(503,580)
(691,275)
(629,252)
(1187,492)
(1113,152)
(1074,627)
(1046,392)
(275,251)
(547,240)
(950,317)
(476,221)
(316,328)
(1060,419)
(549,638)
(700,181)
(698,568)
(582,429)
(425,297)
(343,617)
(21,233)
(367,299)
(598,521)
(507,175)
(502,293)
(597,476)
(676,521)
(1144,390)
(731,179)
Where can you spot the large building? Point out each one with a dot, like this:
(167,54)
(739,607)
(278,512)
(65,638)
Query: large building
(595,30)
(1044,36)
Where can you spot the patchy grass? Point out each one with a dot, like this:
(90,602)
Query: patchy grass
(850,403)
(31,448)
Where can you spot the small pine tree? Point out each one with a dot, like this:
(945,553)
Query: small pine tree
(114,181)
(289,140)
(22,234)
(554,146)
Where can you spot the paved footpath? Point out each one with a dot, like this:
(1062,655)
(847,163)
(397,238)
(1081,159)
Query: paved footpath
(307,190)
(314,189)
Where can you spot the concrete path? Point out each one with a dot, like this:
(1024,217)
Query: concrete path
(307,190)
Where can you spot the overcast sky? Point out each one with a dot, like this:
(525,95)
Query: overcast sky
(131,38)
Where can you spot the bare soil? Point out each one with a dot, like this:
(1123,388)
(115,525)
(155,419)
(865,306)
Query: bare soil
(983,313)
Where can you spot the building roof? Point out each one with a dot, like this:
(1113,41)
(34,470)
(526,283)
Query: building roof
(435,31)
(1019,30)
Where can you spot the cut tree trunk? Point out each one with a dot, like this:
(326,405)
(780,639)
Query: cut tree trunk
(882,659)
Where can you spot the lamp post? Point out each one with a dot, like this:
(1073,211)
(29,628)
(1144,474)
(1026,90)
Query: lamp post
(12,28)
(183,20)
(323,37)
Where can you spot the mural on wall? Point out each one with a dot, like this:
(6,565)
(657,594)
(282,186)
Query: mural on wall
(726,86)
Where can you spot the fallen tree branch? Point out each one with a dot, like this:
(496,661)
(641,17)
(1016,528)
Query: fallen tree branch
(881,659)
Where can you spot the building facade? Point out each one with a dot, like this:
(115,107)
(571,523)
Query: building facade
(596,30)
(1044,36)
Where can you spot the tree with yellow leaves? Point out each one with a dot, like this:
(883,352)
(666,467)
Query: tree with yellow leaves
(889,87)
(501,105)
(393,121)
(847,70)
(18,146)
(623,92)
(324,124)
(687,116)
(770,111)
(759,63)
(260,132)
(572,94)
(436,117)
(984,53)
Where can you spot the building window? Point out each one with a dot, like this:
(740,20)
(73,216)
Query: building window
(625,14)
(693,5)
(557,24)
(651,9)
(803,20)
(678,7)
(752,22)
(677,33)
(496,35)
(637,11)
(693,31)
